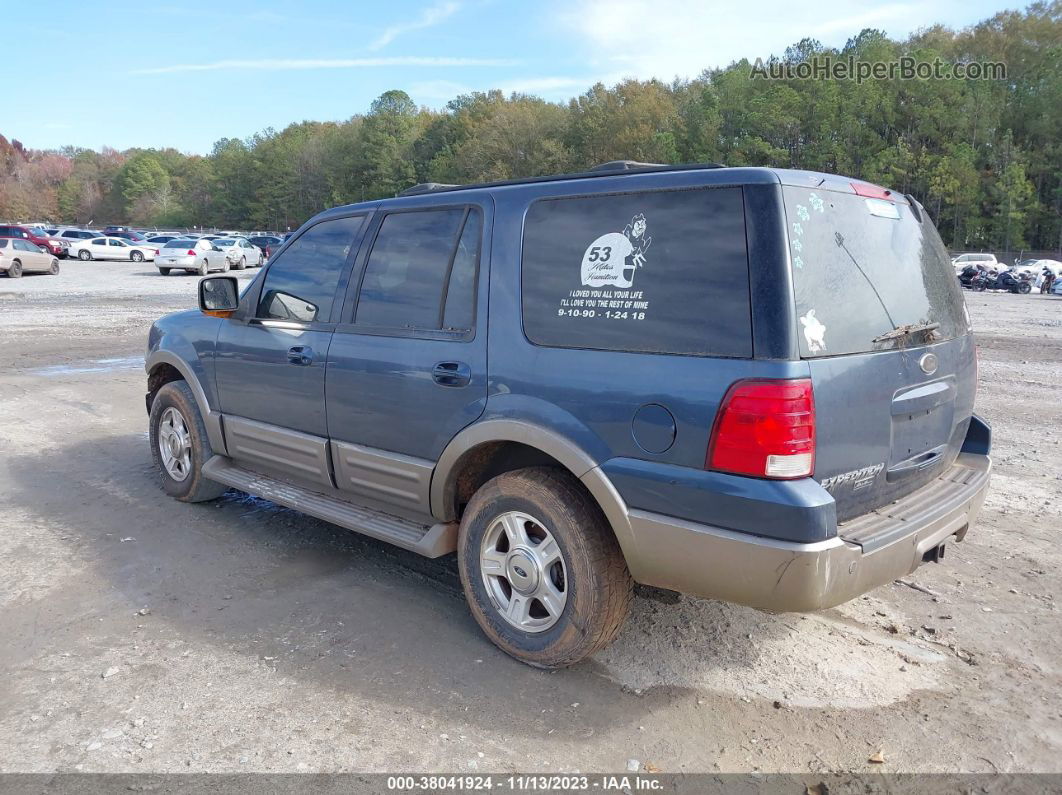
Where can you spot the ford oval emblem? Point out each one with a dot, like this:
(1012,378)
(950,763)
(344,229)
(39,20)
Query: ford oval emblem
(928,363)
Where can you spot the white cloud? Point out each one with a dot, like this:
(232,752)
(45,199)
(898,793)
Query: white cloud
(290,64)
(429,17)
(679,38)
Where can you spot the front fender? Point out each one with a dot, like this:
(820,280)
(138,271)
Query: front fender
(186,341)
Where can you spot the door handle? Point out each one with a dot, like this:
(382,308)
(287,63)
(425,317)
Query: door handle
(451,374)
(301,355)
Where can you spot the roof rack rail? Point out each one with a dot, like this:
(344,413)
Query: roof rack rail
(625,165)
(612,168)
(427,187)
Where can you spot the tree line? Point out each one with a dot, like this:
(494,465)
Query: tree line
(983,156)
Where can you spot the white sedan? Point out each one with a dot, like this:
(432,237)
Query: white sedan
(239,251)
(111,248)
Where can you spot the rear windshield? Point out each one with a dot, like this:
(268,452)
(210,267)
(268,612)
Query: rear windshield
(178,243)
(863,267)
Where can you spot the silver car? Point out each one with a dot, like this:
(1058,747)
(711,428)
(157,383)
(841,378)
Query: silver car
(193,256)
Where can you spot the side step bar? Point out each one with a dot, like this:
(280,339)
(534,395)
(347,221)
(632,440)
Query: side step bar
(432,542)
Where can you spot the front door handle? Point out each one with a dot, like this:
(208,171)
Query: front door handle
(301,355)
(452,374)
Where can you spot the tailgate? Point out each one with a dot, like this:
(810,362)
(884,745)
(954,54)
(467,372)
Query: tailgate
(885,427)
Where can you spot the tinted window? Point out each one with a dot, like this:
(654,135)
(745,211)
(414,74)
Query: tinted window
(662,271)
(301,284)
(461,292)
(179,244)
(99,241)
(862,267)
(408,266)
(3,243)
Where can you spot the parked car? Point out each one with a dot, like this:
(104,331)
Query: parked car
(746,384)
(18,256)
(52,245)
(72,235)
(136,238)
(160,240)
(111,248)
(193,256)
(268,243)
(240,252)
(987,260)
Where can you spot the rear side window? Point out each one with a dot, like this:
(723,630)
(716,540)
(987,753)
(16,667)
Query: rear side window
(421,272)
(657,272)
(863,267)
(301,284)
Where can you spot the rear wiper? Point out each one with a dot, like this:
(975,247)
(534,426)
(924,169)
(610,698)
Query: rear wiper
(906,330)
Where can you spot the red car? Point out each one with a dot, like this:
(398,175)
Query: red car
(52,245)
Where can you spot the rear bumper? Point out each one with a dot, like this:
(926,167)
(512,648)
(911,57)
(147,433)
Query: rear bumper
(783,576)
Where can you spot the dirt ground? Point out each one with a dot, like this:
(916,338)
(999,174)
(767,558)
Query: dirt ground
(143,634)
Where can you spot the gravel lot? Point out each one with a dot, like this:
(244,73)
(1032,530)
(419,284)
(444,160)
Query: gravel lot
(142,634)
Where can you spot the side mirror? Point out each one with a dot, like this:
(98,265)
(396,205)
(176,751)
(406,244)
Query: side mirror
(219,296)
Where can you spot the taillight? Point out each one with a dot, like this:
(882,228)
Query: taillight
(191,253)
(765,429)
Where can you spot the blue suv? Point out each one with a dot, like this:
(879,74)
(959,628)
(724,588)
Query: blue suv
(745,384)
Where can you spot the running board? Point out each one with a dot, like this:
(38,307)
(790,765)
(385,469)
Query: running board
(432,542)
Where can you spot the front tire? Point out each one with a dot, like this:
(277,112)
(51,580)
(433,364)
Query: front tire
(137,256)
(84,255)
(179,445)
(14,270)
(542,572)
(54,269)
(1024,288)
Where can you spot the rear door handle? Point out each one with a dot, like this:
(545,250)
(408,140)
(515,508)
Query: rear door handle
(452,374)
(301,355)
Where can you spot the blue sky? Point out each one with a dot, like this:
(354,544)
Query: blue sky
(184,73)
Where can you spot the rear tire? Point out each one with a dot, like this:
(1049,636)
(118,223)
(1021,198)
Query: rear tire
(175,418)
(204,269)
(565,553)
(164,271)
(14,270)
(137,256)
(54,269)
(84,255)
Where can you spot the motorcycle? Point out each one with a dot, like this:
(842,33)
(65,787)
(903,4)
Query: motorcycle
(1004,281)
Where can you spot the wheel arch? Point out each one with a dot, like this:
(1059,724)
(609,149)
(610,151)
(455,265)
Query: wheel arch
(489,448)
(164,367)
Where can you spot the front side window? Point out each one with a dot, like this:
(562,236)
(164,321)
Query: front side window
(409,273)
(301,284)
(654,272)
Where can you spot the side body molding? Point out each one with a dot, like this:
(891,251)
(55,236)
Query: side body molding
(211,418)
(575,460)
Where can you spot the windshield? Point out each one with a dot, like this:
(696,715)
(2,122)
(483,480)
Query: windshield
(863,267)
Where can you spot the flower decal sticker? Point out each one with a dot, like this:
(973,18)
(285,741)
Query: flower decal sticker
(802,212)
(816,203)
